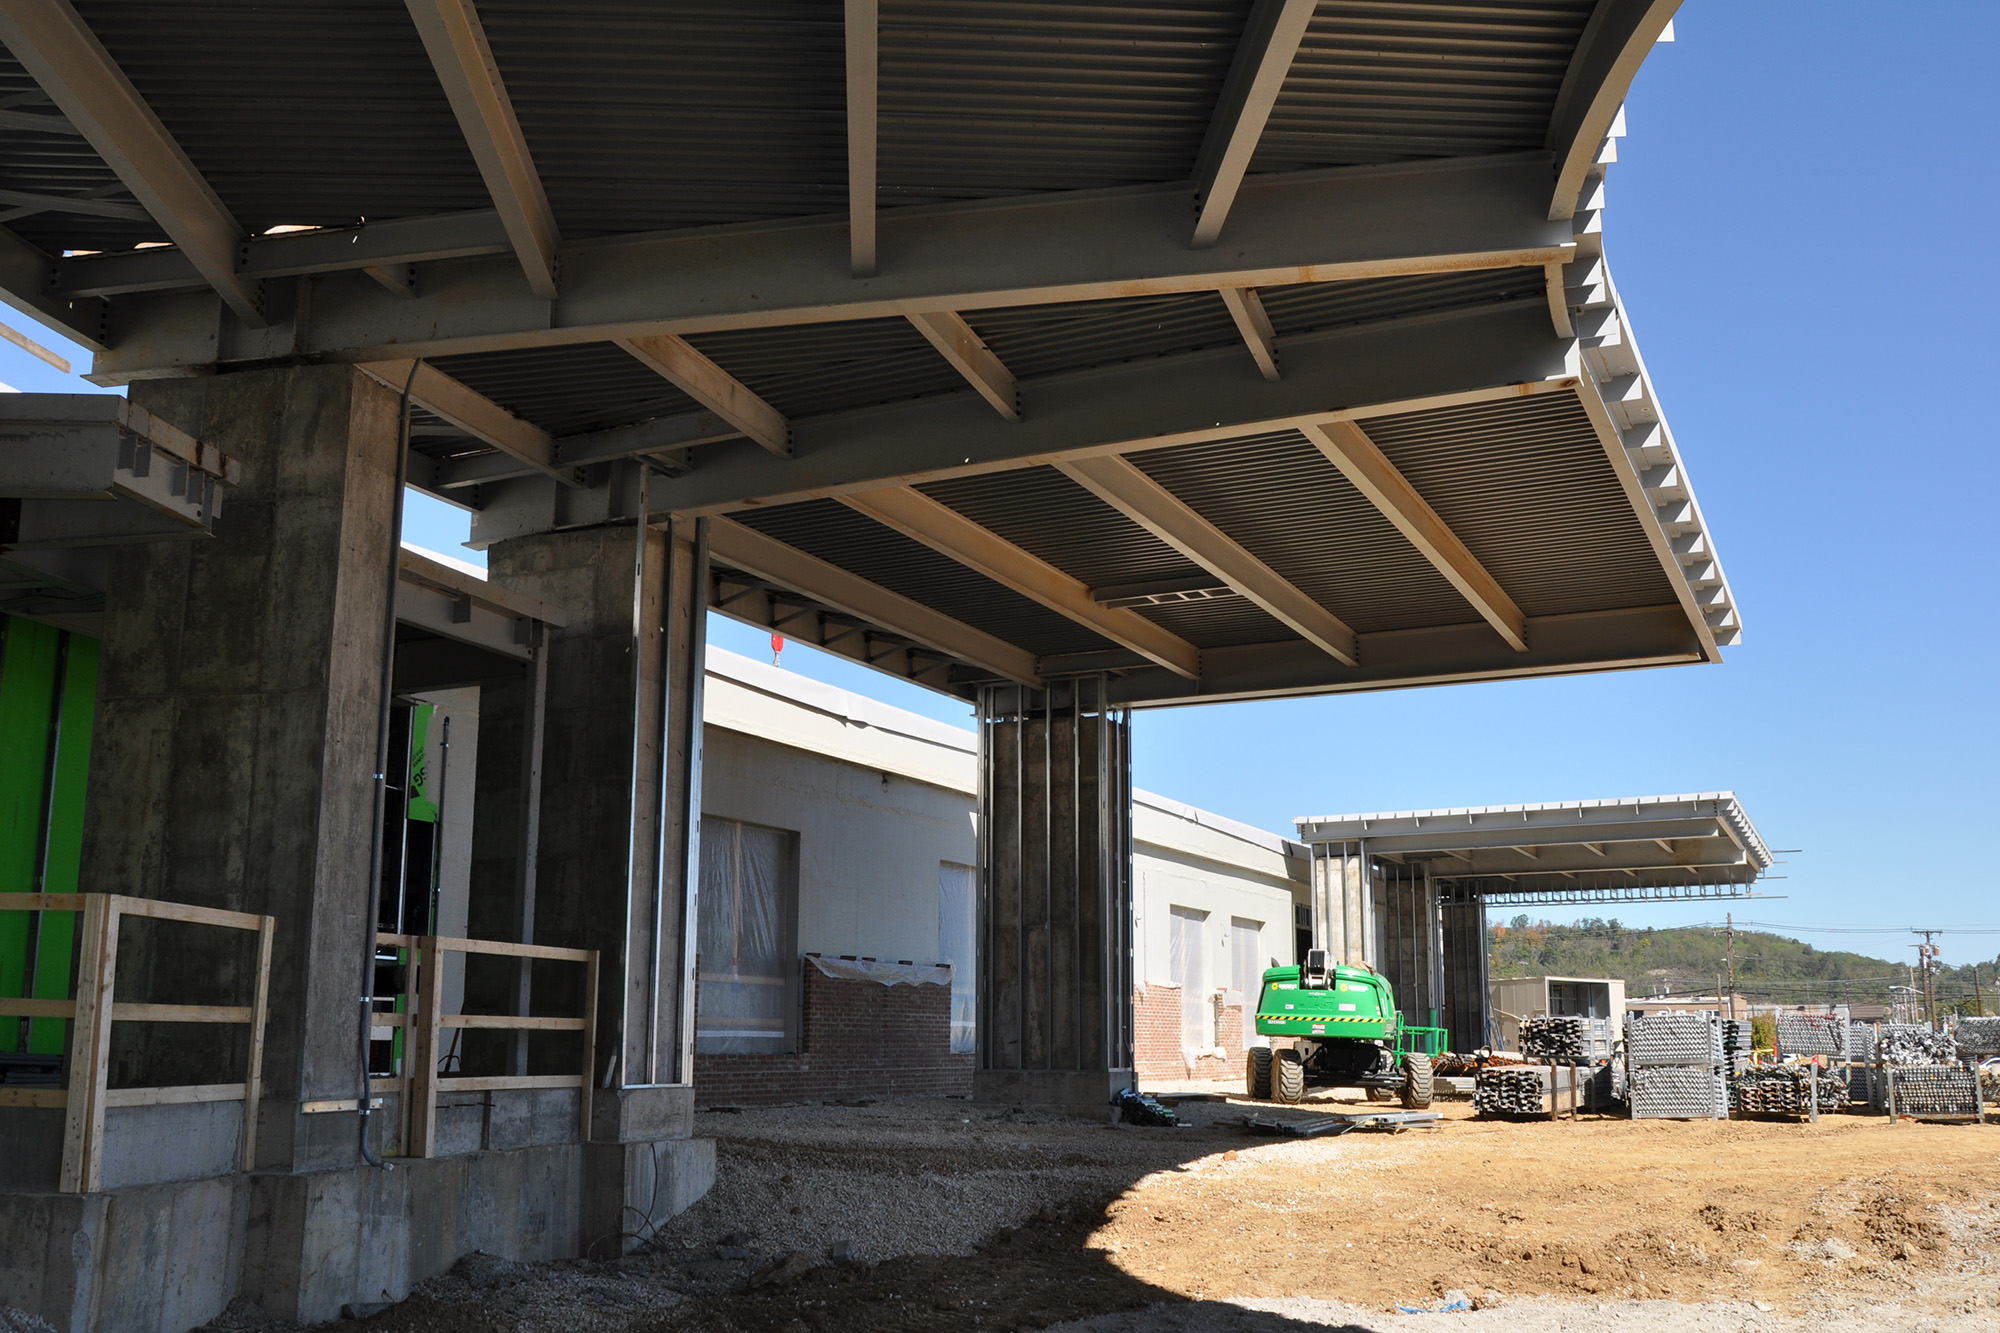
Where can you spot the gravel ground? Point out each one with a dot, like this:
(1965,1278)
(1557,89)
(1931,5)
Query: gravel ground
(1302,1312)
(927,1215)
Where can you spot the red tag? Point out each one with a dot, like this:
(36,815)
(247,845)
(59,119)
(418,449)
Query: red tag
(777,646)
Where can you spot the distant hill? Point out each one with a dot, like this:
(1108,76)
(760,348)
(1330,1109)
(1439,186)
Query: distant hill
(1769,967)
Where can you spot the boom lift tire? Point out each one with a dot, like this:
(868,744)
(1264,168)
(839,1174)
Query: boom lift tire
(1288,1077)
(1257,1073)
(1379,1094)
(1416,1080)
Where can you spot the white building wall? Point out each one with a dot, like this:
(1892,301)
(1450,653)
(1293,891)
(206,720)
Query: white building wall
(869,859)
(1184,857)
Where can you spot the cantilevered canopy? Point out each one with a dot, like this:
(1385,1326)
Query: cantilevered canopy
(1641,848)
(1234,349)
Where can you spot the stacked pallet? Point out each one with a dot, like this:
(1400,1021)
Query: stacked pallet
(1811,1034)
(1916,1044)
(1676,1067)
(1773,1090)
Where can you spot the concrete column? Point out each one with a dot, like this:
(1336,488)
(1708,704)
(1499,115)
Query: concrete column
(1055,899)
(620,770)
(1465,982)
(234,753)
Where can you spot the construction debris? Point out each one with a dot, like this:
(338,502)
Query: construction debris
(1324,1125)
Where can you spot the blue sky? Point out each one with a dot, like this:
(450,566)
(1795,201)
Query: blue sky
(1800,223)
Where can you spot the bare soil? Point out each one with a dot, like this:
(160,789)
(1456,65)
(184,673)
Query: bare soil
(960,1217)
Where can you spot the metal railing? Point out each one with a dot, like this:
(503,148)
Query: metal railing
(96,1007)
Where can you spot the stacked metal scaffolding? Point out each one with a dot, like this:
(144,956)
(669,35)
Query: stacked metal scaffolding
(1916,1044)
(1812,1034)
(1676,1067)
(1934,1092)
(1777,1090)
(1565,1040)
(1977,1036)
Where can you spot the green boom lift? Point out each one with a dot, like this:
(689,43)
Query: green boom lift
(1348,1031)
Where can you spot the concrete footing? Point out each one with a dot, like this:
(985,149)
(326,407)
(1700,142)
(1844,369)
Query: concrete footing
(165,1258)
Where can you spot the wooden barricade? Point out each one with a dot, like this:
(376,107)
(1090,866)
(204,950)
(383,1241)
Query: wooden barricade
(426,1021)
(96,1007)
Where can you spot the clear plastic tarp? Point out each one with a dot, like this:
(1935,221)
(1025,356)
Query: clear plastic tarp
(957,931)
(1246,971)
(747,966)
(1187,959)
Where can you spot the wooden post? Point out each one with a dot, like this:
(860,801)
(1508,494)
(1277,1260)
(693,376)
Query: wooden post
(420,1082)
(253,1079)
(90,1041)
(1813,1107)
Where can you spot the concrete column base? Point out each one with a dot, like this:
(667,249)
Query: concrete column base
(165,1258)
(1082,1090)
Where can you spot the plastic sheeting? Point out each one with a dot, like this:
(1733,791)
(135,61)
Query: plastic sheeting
(1246,969)
(747,958)
(1187,964)
(881,973)
(957,936)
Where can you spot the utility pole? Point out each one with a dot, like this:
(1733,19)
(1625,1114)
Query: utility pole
(1978,1000)
(1731,919)
(1925,953)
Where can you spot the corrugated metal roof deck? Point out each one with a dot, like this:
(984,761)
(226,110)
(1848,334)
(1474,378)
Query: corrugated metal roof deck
(835,533)
(1287,505)
(59,164)
(1376,82)
(809,369)
(568,390)
(1526,486)
(1054,519)
(349,122)
(644,115)
(981,98)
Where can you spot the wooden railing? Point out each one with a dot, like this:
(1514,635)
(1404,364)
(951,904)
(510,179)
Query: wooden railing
(96,1007)
(423,1084)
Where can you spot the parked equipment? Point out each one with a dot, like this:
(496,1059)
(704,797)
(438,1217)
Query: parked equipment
(1348,1034)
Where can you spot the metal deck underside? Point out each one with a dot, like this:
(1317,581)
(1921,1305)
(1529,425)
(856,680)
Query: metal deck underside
(1640,849)
(1234,349)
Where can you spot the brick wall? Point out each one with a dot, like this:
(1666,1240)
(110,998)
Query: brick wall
(1156,1040)
(857,1039)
